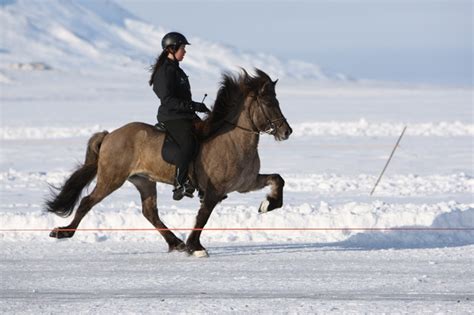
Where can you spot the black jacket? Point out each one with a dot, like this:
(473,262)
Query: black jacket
(171,85)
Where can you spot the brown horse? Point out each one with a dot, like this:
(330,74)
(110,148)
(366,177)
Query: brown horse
(227,160)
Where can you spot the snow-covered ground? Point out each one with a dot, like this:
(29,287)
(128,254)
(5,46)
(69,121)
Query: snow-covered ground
(300,278)
(344,132)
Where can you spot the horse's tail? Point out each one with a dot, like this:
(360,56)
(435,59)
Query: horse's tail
(64,199)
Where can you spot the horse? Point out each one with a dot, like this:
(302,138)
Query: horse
(227,160)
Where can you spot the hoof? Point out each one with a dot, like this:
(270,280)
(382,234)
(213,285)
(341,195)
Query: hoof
(57,233)
(269,204)
(200,254)
(264,206)
(181,247)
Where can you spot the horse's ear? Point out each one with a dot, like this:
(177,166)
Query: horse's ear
(265,88)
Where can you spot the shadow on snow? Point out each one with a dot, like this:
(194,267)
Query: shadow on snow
(375,240)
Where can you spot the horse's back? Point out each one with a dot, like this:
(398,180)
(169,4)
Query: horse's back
(134,127)
(134,133)
(131,146)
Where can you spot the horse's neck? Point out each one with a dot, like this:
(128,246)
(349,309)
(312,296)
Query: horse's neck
(240,131)
(243,134)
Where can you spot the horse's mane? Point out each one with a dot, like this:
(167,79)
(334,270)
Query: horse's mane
(233,90)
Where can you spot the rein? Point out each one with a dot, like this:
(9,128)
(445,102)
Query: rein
(272,127)
(243,128)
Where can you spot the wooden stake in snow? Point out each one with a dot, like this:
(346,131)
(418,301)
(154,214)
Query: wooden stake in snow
(389,159)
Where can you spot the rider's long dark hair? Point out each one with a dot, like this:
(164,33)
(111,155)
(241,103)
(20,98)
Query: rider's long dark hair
(158,62)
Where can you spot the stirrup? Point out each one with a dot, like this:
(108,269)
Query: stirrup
(189,189)
(181,191)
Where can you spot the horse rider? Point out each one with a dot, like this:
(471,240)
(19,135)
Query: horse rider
(177,109)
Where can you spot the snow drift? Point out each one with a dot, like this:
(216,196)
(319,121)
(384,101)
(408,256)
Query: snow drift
(67,34)
(349,217)
(361,128)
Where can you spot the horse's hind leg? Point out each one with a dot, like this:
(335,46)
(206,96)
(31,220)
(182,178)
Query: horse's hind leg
(97,195)
(147,191)
(103,188)
(275,197)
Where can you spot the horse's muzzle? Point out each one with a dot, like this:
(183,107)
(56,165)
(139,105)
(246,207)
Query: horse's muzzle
(284,132)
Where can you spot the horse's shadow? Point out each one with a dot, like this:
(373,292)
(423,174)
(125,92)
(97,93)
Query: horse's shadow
(452,229)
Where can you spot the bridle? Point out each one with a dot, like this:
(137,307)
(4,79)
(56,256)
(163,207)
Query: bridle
(271,127)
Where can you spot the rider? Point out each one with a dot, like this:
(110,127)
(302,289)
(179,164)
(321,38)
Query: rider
(177,109)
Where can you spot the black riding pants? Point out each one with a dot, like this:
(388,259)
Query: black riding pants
(181,130)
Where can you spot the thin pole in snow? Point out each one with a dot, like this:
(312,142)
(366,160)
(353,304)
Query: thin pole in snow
(389,159)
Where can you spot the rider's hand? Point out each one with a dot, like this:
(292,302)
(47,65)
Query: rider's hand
(200,107)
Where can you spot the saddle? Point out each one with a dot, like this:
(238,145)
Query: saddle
(170,149)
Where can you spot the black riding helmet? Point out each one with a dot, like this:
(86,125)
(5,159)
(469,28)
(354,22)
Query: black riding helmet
(174,39)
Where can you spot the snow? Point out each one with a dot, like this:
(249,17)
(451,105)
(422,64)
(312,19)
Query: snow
(67,34)
(381,40)
(298,278)
(344,131)
(331,128)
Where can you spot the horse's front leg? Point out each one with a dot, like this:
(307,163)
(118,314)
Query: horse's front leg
(275,197)
(193,242)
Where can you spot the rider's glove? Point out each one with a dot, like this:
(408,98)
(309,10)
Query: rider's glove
(200,107)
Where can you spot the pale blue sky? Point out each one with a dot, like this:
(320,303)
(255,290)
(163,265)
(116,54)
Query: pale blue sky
(424,41)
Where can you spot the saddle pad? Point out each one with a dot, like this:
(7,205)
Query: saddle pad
(170,150)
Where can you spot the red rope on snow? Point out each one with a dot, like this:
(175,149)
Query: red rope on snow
(315,229)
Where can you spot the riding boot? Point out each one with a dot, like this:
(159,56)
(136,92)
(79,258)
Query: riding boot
(182,190)
(182,187)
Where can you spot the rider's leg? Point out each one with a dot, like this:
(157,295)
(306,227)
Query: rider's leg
(182,132)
